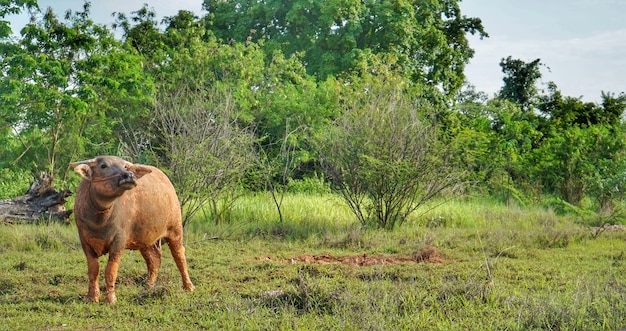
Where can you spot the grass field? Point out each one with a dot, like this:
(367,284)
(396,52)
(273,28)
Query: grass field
(490,267)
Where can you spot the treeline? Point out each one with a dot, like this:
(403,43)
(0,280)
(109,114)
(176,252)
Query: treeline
(366,97)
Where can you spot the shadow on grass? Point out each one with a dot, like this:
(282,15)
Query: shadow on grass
(305,296)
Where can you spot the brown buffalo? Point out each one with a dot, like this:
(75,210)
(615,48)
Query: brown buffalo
(121,205)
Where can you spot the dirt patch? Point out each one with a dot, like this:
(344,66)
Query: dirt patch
(429,254)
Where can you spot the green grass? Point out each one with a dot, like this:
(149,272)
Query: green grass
(256,215)
(503,268)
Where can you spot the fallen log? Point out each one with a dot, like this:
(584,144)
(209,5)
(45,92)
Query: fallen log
(41,203)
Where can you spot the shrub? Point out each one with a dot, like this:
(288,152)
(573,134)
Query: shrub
(14,183)
(382,155)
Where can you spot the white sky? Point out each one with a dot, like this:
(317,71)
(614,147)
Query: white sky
(582,42)
(101,10)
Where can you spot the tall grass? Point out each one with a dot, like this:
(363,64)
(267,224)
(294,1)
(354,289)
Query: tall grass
(316,215)
(304,216)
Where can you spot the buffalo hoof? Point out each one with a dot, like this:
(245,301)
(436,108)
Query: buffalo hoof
(111,298)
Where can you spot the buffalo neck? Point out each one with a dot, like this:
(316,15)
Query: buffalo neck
(99,204)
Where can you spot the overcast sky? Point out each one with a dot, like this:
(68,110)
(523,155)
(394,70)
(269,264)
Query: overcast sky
(582,42)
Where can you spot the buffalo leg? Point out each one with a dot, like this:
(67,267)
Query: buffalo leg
(93,271)
(110,275)
(178,253)
(152,255)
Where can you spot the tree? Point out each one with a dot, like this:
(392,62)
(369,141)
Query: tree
(9,7)
(581,162)
(279,170)
(207,154)
(581,154)
(613,108)
(428,38)
(141,32)
(520,80)
(564,112)
(495,140)
(382,155)
(65,84)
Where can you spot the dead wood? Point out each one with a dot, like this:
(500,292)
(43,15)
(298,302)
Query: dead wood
(41,203)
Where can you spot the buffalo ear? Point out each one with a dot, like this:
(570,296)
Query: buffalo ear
(138,169)
(83,170)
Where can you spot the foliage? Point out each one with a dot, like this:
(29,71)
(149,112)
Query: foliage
(564,147)
(141,32)
(278,171)
(14,183)
(520,79)
(427,37)
(581,153)
(583,161)
(315,184)
(207,153)
(494,140)
(64,86)
(565,112)
(9,7)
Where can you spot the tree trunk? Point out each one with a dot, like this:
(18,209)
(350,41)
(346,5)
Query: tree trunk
(41,203)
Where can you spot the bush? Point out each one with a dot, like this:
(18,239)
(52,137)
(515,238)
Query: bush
(14,183)
(383,156)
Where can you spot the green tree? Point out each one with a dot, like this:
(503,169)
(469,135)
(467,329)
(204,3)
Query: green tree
(520,79)
(12,7)
(67,84)
(496,140)
(428,38)
(565,112)
(197,129)
(581,153)
(581,162)
(613,108)
(141,32)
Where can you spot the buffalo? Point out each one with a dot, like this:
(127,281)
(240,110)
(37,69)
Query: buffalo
(120,205)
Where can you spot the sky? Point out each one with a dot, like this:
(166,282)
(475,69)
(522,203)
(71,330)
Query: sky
(582,43)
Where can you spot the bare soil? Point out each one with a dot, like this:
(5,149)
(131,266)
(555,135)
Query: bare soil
(429,254)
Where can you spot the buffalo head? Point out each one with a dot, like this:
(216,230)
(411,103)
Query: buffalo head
(114,174)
